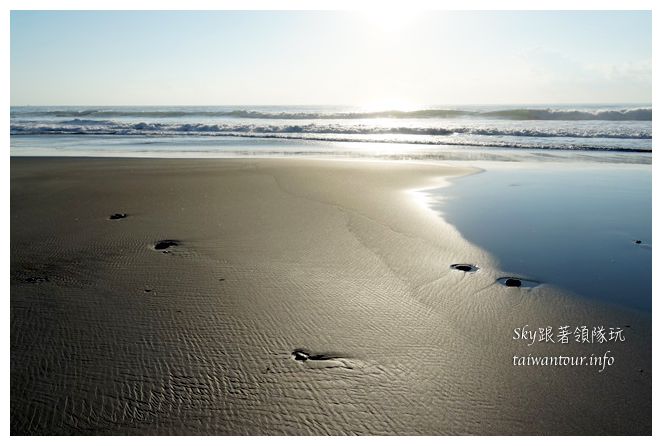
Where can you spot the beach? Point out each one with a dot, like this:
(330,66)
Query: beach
(288,296)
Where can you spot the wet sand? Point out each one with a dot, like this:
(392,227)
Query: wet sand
(285,297)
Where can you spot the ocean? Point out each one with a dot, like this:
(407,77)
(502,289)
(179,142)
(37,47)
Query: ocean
(435,132)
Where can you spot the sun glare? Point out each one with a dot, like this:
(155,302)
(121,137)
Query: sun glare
(390,19)
(390,105)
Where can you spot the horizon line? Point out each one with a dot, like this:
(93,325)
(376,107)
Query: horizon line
(424,106)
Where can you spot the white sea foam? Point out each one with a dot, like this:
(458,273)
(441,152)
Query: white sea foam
(593,128)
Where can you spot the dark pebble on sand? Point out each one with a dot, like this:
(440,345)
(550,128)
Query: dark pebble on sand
(466,267)
(513,282)
(165,244)
(300,355)
(117,216)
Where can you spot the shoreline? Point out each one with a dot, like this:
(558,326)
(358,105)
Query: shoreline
(224,147)
(328,258)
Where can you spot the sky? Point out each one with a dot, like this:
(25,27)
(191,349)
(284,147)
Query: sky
(393,58)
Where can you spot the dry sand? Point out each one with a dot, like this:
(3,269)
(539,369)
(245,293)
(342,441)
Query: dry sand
(332,260)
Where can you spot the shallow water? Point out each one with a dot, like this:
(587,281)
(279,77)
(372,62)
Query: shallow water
(574,226)
(230,146)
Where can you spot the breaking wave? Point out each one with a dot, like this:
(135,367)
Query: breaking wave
(103,127)
(522,114)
